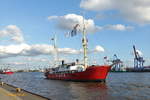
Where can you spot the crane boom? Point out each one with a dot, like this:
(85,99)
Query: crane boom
(135,53)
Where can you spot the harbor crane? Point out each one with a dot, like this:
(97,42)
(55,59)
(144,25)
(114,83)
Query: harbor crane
(118,66)
(138,60)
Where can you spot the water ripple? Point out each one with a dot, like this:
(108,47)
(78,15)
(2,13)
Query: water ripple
(119,86)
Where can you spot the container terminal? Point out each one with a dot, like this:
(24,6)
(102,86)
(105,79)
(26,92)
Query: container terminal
(137,67)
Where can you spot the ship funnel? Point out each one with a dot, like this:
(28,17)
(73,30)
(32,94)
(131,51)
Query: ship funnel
(77,61)
(63,62)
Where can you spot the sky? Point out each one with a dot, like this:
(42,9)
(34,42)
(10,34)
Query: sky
(112,27)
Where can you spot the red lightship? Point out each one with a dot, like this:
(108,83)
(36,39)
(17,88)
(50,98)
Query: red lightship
(76,71)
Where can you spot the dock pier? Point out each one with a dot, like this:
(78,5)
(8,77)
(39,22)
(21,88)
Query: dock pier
(9,92)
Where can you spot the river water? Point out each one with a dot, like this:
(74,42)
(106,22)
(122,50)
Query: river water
(118,86)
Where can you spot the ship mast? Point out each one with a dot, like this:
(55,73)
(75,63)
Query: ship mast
(84,44)
(55,50)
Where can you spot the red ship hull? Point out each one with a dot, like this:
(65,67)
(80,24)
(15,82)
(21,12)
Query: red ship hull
(92,73)
(8,73)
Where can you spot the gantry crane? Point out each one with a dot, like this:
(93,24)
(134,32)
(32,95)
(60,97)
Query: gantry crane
(138,60)
(118,66)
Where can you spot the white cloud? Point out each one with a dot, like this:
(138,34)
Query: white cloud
(96,4)
(68,51)
(132,10)
(37,49)
(24,50)
(99,49)
(52,17)
(37,59)
(119,27)
(13,32)
(16,63)
(68,21)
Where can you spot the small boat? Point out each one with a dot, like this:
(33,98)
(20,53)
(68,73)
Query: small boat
(6,71)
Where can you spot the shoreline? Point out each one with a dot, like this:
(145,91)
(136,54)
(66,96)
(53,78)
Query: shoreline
(9,92)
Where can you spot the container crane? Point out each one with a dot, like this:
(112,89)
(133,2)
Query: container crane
(118,66)
(138,60)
